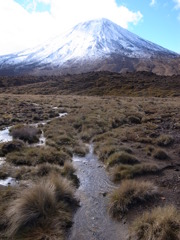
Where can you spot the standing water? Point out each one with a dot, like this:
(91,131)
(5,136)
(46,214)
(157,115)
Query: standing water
(92,221)
(4,135)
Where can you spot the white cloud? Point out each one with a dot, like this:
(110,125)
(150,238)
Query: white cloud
(22,29)
(177,6)
(45,1)
(153,2)
(80,10)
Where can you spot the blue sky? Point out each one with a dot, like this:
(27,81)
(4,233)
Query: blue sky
(27,23)
(160,23)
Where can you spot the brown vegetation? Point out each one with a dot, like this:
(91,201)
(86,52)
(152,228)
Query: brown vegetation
(123,171)
(28,134)
(43,210)
(95,83)
(128,125)
(130,194)
(160,224)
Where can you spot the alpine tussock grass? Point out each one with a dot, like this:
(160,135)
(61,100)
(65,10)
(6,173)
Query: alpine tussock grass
(43,209)
(159,224)
(129,194)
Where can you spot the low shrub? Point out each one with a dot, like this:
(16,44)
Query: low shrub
(165,140)
(106,151)
(121,157)
(134,119)
(45,169)
(7,194)
(160,154)
(129,194)
(123,171)
(26,133)
(68,171)
(80,151)
(33,156)
(116,122)
(159,224)
(12,146)
(64,140)
(4,171)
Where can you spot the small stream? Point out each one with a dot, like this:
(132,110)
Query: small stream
(6,137)
(8,181)
(92,221)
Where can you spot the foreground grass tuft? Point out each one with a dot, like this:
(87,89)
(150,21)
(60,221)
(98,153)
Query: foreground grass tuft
(45,209)
(129,194)
(159,224)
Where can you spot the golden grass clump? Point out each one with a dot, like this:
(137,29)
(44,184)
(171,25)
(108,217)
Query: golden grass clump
(165,140)
(121,157)
(106,151)
(160,224)
(44,209)
(123,171)
(80,150)
(129,194)
(160,154)
(35,155)
(15,145)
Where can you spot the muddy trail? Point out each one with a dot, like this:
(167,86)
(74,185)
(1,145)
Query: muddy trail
(92,221)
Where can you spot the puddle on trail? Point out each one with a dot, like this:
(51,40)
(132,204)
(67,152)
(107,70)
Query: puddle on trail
(49,120)
(2,160)
(42,139)
(4,135)
(8,182)
(92,221)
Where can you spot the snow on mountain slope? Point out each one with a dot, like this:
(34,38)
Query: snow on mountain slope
(95,45)
(87,41)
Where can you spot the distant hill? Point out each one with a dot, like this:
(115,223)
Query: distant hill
(95,84)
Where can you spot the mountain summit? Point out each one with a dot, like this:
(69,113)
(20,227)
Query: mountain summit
(92,46)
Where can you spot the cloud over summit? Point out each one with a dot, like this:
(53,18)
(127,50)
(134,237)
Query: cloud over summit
(25,25)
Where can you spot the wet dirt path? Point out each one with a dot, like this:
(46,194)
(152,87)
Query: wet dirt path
(92,221)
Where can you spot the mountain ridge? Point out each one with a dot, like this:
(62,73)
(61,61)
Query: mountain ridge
(92,46)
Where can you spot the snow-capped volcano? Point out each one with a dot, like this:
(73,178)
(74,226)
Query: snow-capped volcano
(92,45)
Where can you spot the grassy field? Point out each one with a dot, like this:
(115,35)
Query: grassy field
(136,138)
